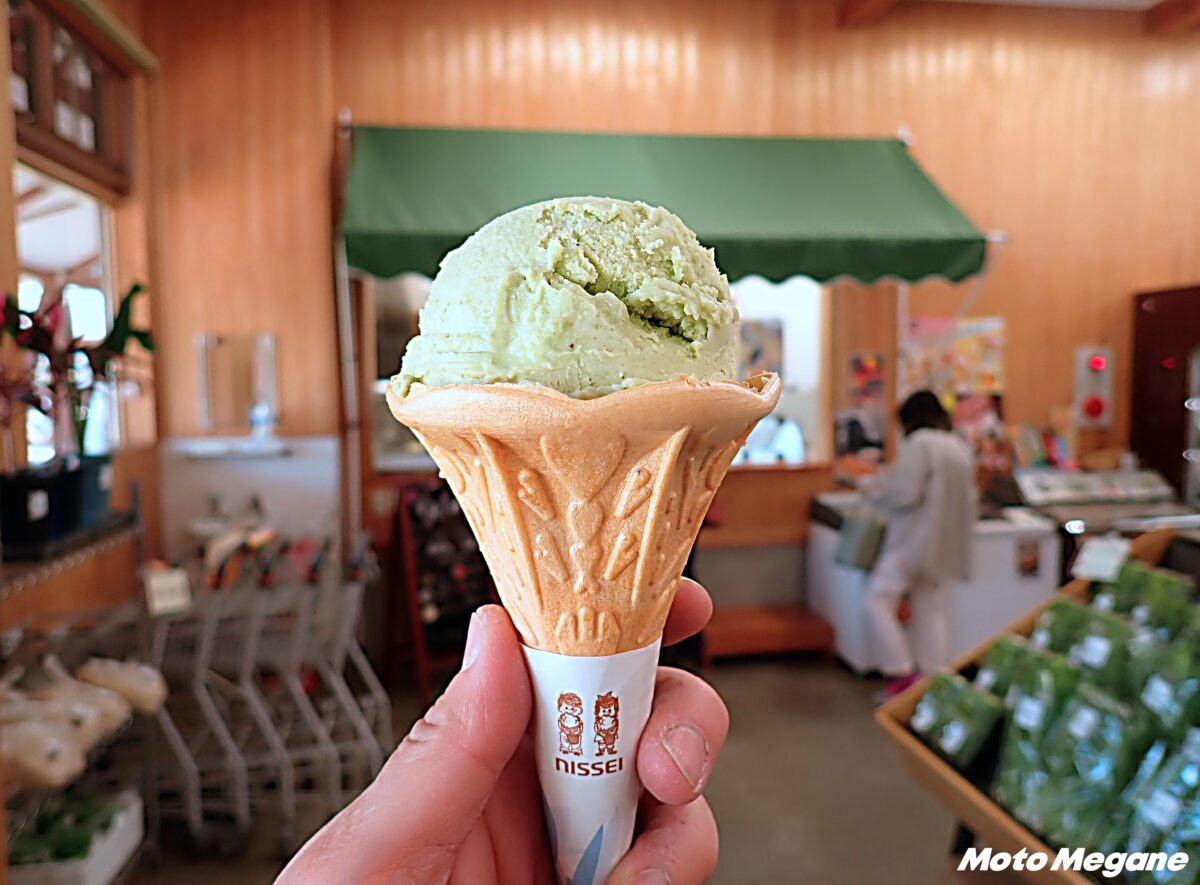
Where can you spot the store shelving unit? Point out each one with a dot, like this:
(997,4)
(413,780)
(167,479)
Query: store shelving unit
(979,815)
(99,572)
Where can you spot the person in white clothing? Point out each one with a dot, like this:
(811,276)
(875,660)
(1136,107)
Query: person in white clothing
(930,499)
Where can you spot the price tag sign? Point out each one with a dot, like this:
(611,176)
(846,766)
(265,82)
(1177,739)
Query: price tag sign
(1083,723)
(1100,559)
(1094,651)
(168,591)
(954,735)
(1157,696)
(923,718)
(1161,809)
(1029,713)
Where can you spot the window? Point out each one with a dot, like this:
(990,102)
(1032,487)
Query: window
(783,330)
(62,247)
(73,105)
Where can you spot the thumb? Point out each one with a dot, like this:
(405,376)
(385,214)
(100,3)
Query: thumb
(435,786)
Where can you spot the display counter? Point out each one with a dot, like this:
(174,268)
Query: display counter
(1015,566)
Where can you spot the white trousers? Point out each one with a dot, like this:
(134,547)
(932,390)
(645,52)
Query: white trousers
(925,646)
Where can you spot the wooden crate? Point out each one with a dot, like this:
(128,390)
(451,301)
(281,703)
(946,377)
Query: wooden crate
(991,823)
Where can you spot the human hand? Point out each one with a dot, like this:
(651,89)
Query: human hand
(459,802)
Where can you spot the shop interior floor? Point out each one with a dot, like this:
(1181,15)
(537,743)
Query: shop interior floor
(807,791)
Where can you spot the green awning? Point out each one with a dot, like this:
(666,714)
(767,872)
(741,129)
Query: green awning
(778,207)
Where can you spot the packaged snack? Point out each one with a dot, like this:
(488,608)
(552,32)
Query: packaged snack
(1034,699)
(52,682)
(39,755)
(1059,627)
(956,719)
(1089,757)
(1101,652)
(140,684)
(84,721)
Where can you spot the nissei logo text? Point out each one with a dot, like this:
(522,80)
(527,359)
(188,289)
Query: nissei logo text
(589,769)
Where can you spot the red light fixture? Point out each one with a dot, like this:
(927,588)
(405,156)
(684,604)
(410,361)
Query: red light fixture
(1097,362)
(1094,407)
(1169,363)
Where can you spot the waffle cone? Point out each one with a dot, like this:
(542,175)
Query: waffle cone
(586,510)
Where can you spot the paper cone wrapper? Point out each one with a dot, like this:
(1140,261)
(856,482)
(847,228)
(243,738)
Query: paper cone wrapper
(586,511)
(589,713)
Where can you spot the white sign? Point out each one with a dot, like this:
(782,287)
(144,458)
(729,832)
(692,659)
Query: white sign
(1100,559)
(168,591)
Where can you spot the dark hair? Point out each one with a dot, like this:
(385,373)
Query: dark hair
(923,410)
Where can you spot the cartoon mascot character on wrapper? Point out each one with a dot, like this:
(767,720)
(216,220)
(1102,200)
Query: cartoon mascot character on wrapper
(607,724)
(570,724)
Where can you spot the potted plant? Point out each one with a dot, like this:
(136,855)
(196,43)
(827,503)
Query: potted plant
(107,363)
(25,494)
(76,371)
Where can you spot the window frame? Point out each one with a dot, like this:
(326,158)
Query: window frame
(108,171)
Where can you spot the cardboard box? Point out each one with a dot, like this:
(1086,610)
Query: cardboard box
(977,811)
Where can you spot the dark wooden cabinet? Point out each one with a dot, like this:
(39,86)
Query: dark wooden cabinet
(1166,341)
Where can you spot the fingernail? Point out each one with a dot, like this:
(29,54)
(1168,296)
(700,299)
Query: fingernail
(474,639)
(689,751)
(651,877)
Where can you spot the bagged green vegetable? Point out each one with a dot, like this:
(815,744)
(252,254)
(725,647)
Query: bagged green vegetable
(1126,591)
(1116,833)
(1059,626)
(1034,698)
(1101,652)
(1166,815)
(1165,677)
(1166,605)
(1002,663)
(956,719)
(1089,757)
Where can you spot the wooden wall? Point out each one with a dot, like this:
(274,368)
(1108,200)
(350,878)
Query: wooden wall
(1071,131)
(244,135)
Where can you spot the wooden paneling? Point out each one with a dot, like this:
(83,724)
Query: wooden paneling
(96,581)
(140,466)
(860,13)
(243,139)
(1072,131)
(1173,16)
(764,506)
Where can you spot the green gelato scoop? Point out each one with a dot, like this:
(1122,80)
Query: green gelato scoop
(585,295)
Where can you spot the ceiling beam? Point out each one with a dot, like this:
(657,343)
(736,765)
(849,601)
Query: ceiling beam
(45,211)
(31,193)
(1172,16)
(78,268)
(861,13)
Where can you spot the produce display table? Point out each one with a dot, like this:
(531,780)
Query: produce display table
(977,811)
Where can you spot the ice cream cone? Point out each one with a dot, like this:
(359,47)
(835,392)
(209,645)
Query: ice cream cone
(586,509)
